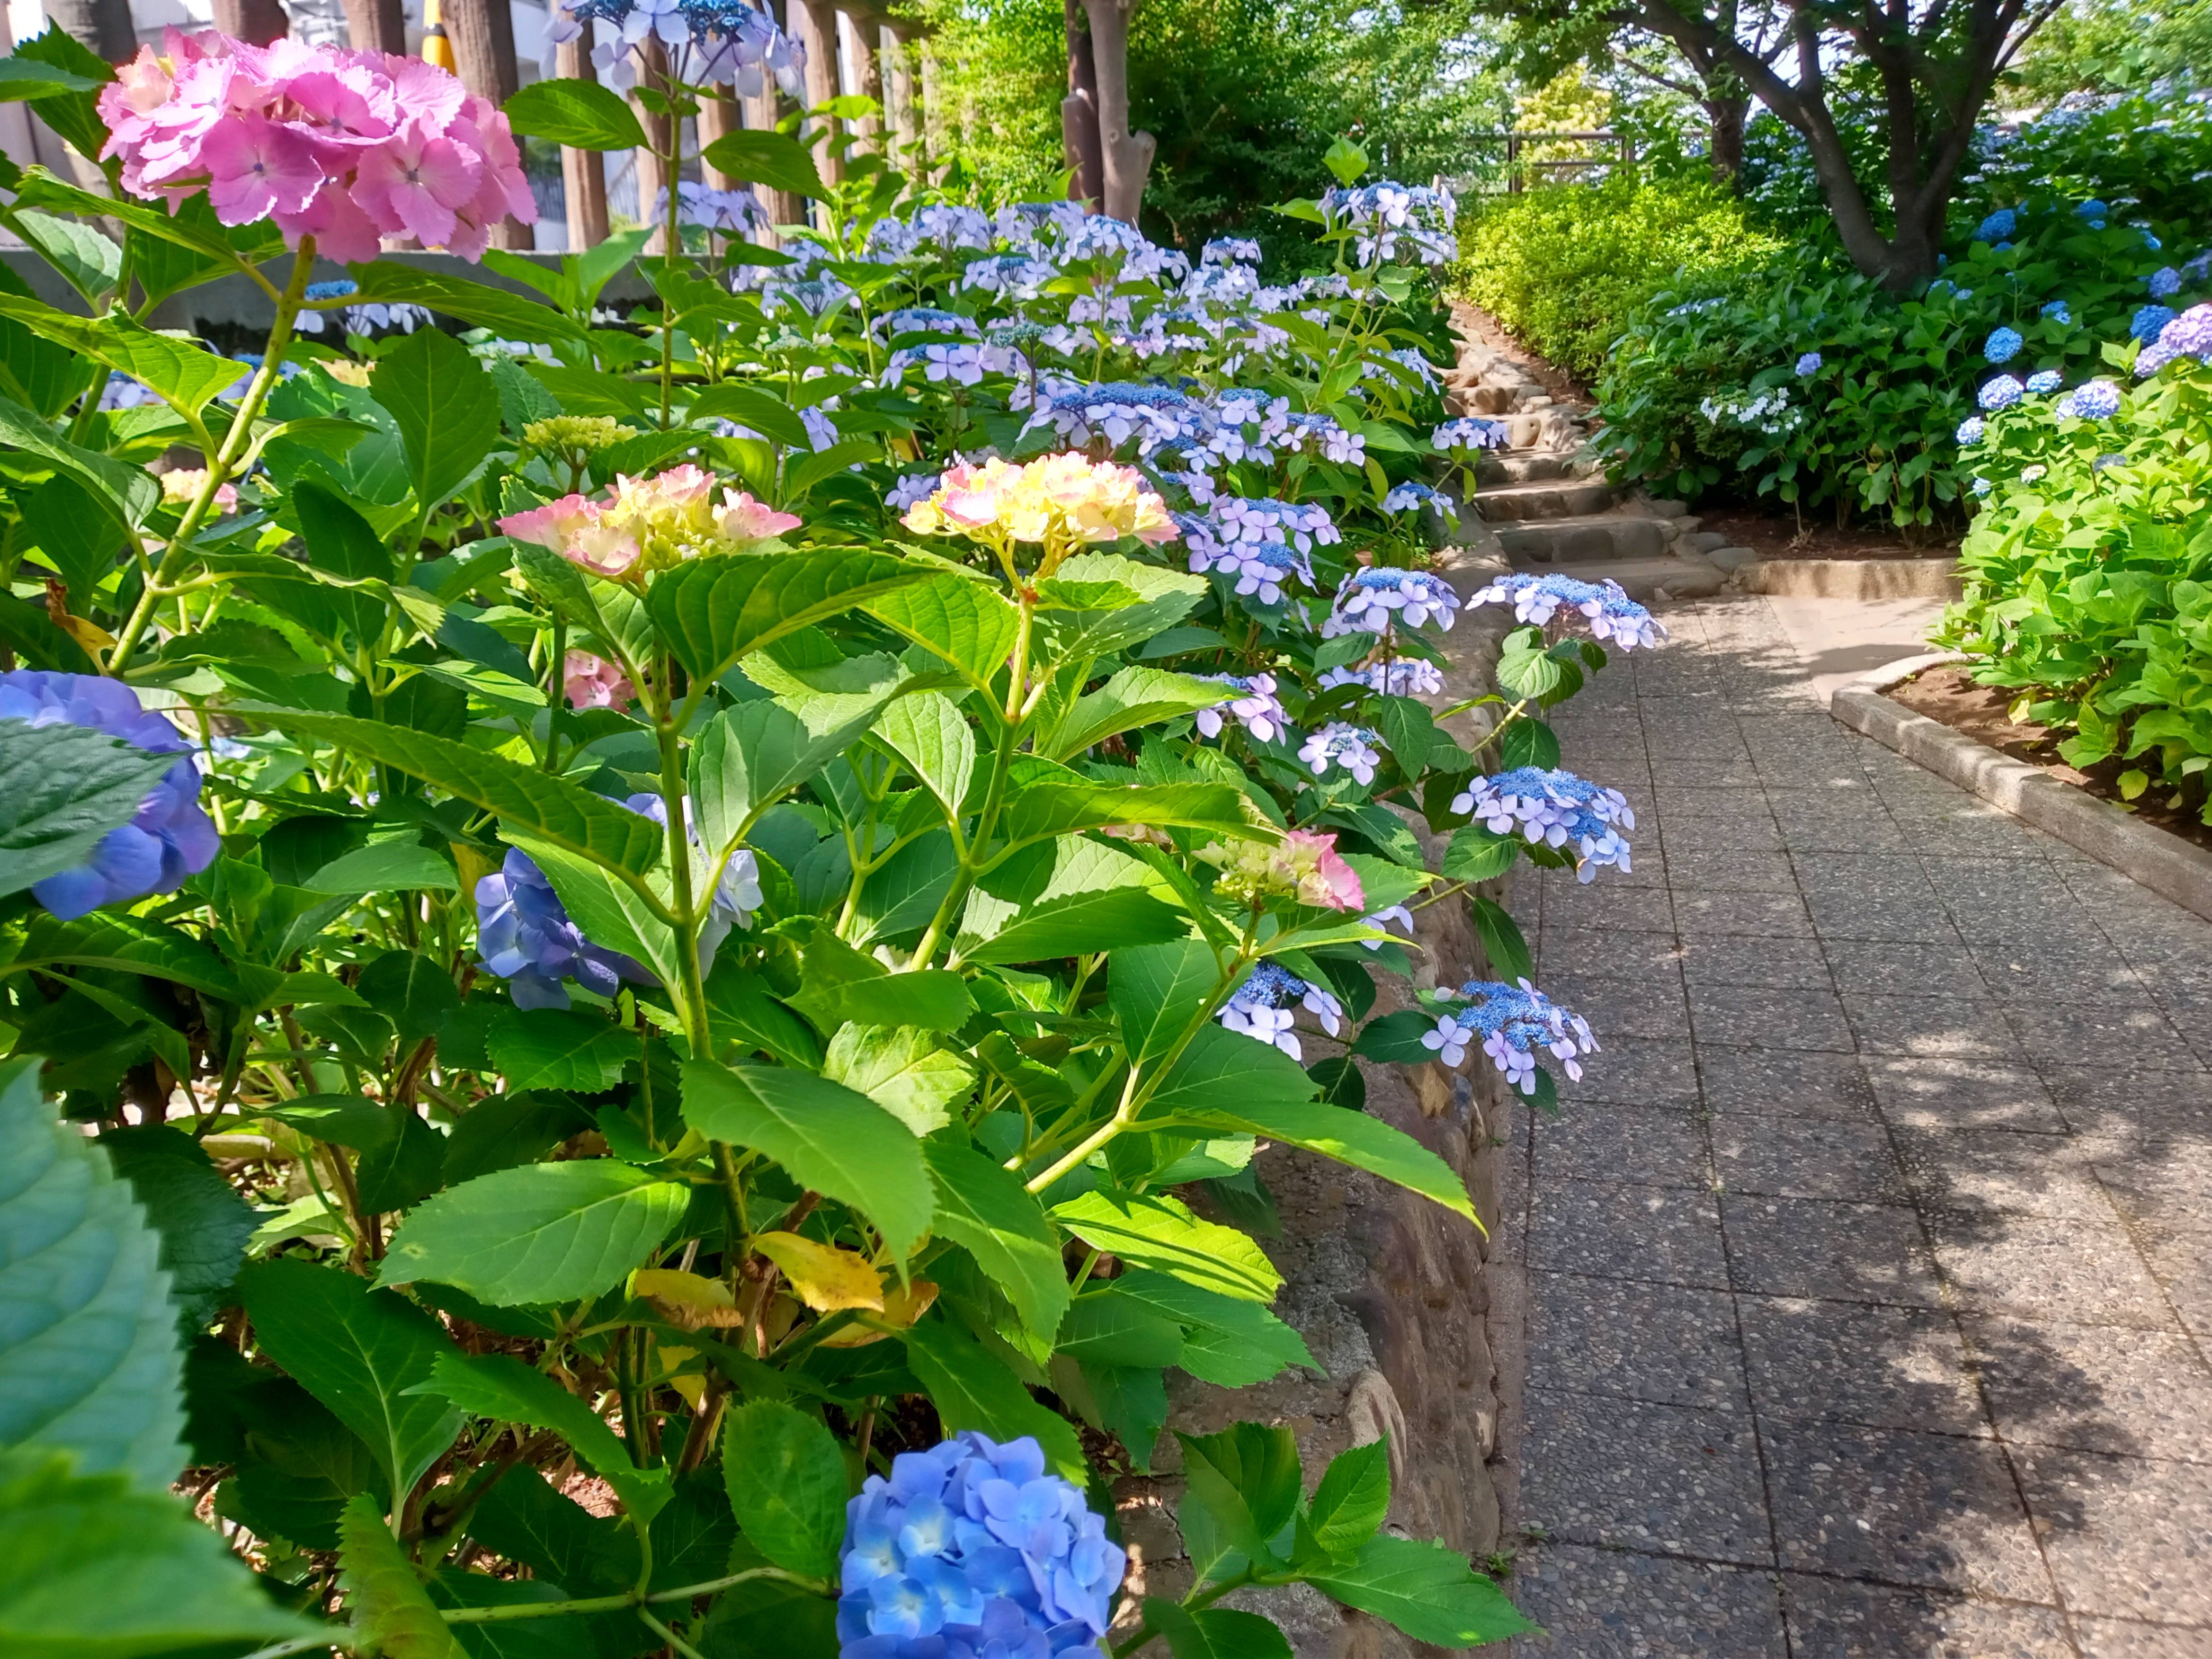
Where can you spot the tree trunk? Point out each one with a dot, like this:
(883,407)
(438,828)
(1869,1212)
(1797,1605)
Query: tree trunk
(258,20)
(483,36)
(858,41)
(1727,116)
(583,172)
(653,173)
(898,105)
(821,40)
(376,26)
(102,26)
(1079,111)
(1126,156)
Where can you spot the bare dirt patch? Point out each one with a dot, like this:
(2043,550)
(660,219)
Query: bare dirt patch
(1779,536)
(1949,697)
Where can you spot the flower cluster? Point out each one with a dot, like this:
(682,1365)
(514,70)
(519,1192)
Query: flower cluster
(737,895)
(1326,435)
(1059,500)
(1386,217)
(1372,600)
(1808,365)
(2003,345)
(1260,541)
(2149,322)
(648,524)
(2000,392)
(1349,747)
(971,1551)
(1253,706)
(1468,432)
(1261,1007)
(1556,809)
(2189,335)
(1406,676)
(2094,400)
(168,839)
(1611,613)
(725,212)
(1153,415)
(590,681)
(1410,497)
(525,936)
(1515,1023)
(1767,412)
(725,42)
(346,147)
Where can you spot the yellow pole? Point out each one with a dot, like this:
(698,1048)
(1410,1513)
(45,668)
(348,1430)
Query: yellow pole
(436,49)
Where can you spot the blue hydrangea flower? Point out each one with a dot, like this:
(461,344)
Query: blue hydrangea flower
(1262,1005)
(2001,392)
(737,895)
(2097,400)
(1970,431)
(1999,225)
(2148,321)
(923,319)
(525,936)
(2093,208)
(1981,486)
(972,1551)
(2044,381)
(2164,284)
(170,836)
(1612,614)
(1119,410)
(2060,312)
(342,288)
(2003,345)
(1372,599)
(1514,1022)
(1553,808)
(1349,747)
(1808,365)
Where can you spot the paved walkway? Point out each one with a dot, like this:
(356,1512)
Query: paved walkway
(1870,1267)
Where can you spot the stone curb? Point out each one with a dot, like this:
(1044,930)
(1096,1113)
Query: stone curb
(1852,579)
(2166,864)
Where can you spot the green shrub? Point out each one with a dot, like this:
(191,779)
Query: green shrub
(1564,268)
(2088,571)
(1709,388)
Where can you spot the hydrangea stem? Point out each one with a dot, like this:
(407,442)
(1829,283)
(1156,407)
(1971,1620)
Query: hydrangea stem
(234,444)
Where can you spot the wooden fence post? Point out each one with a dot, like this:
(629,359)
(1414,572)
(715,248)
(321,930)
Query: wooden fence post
(583,172)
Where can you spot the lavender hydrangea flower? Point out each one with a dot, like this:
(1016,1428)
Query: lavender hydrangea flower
(2060,312)
(737,897)
(970,1550)
(168,839)
(1468,432)
(2096,400)
(525,936)
(1553,808)
(1515,1023)
(1261,567)
(2000,392)
(1334,443)
(2190,334)
(2003,345)
(2044,381)
(914,487)
(1372,600)
(1404,676)
(1971,431)
(1381,919)
(722,41)
(2164,284)
(2148,322)
(1254,707)
(1412,497)
(1153,415)
(1612,614)
(1349,747)
(1230,250)
(1262,1004)
(1808,365)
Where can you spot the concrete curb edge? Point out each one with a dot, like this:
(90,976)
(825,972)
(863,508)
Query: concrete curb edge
(2166,864)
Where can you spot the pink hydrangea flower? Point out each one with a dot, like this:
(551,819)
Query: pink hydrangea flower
(1323,878)
(590,681)
(574,527)
(346,147)
(742,518)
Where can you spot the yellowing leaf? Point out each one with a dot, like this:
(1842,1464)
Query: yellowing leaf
(692,1300)
(826,1278)
(901,1307)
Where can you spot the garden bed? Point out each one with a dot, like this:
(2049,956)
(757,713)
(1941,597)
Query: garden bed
(1947,696)
(1774,535)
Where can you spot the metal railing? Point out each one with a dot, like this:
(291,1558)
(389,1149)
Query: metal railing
(1506,163)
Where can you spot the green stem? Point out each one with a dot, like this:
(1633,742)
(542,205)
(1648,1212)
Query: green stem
(679,869)
(219,464)
(1193,1602)
(513,1610)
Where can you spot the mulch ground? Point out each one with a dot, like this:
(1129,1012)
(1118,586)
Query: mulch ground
(1949,696)
(1780,536)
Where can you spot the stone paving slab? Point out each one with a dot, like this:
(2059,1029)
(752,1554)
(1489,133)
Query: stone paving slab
(1869,1266)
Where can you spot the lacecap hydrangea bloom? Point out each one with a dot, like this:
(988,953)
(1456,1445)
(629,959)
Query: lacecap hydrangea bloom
(1349,747)
(2003,345)
(1262,1005)
(1469,431)
(724,42)
(1253,705)
(1554,808)
(970,1550)
(1372,600)
(1515,1024)
(1412,497)
(1118,411)
(169,838)
(346,147)
(1612,615)
(1404,676)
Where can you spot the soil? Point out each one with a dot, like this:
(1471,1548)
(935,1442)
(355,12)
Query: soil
(1949,697)
(1778,536)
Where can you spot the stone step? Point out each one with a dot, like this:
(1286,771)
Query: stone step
(1646,579)
(1541,544)
(1543,498)
(1528,466)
